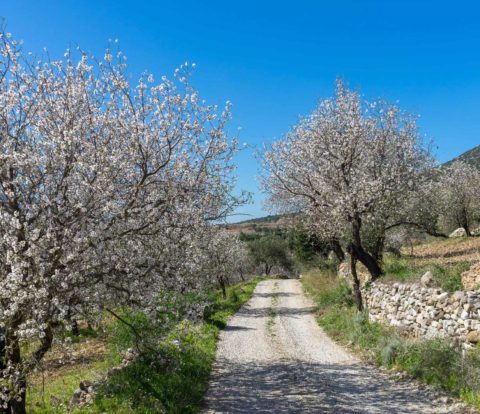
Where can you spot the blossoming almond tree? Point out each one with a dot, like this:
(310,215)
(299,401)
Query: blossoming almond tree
(459,195)
(226,258)
(106,190)
(348,164)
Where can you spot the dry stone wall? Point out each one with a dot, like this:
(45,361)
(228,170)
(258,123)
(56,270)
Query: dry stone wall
(426,311)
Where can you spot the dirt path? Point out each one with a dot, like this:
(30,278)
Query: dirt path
(274,358)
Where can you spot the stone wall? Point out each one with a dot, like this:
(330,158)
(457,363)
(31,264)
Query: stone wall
(426,311)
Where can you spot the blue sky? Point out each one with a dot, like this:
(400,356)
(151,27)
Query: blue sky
(275,59)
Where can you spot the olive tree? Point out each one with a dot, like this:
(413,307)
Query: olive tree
(270,251)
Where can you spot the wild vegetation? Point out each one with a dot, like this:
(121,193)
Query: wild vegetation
(435,361)
(169,375)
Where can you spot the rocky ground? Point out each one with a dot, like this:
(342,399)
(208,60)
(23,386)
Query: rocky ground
(274,358)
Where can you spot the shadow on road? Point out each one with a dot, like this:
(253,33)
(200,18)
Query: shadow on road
(299,387)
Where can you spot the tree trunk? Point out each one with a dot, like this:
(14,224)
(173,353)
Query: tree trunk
(337,249)
(356,283)
(377,254)
(75,328)
(224,289)
(242,277)
(367,260)
(357,250)
(466,224)
(16,405)
(3,364)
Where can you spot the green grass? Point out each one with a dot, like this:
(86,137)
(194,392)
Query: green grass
(434,361)
(403,269)
(53,393)
(170,376)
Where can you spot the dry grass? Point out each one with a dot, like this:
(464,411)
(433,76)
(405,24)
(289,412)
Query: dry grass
(446,252)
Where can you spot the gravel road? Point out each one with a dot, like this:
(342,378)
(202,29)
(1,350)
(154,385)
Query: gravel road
(274,358)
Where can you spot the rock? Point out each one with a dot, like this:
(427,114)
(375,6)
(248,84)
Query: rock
(427,279)
(475,232)
(83,395)
(460,232)
(77,395)
(471,278)
(473,337)
(343,270)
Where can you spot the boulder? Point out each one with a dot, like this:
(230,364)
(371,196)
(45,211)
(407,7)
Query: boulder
(475,231)
(83,395)
(460,232)
(427,279)
(473,337)
(471,278)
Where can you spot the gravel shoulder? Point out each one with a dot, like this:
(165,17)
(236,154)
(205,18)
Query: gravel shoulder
(274,358)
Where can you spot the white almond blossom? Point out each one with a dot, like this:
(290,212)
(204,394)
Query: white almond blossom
(348,165)
(107,189)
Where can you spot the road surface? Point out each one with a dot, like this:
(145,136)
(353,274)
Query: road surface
(274,358)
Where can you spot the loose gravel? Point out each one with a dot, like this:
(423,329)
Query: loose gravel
(274,358)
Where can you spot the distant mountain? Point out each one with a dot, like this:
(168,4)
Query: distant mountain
(262,220)
(261,225)
(471,157)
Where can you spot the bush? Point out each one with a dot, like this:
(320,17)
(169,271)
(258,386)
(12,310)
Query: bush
(436,361)
(449,278)
(399,268)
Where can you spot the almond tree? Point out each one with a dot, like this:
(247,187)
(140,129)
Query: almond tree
(459,195)
(106,193)
(225,258)
(347,165)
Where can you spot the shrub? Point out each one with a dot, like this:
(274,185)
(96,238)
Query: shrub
(449,278)
(339,295)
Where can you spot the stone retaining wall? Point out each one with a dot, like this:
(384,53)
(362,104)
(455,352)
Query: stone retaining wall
(425,311)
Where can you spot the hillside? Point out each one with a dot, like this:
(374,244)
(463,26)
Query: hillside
(471,157)
(267,224)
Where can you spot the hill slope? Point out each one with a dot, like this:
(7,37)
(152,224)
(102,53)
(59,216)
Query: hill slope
(471,157)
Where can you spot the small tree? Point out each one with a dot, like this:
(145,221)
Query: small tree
(459,195)
(226,257)
(270,251)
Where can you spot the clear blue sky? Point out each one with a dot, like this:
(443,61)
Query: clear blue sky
(275,59)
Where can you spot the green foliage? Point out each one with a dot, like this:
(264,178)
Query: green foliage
(172,371)
(399,268)
(307,248)
(339,295)
(171,379)
(449,278)
(436,361)
(271,251)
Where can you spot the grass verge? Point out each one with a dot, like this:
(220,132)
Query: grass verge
(446,276)
(434,361)
(169,377)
